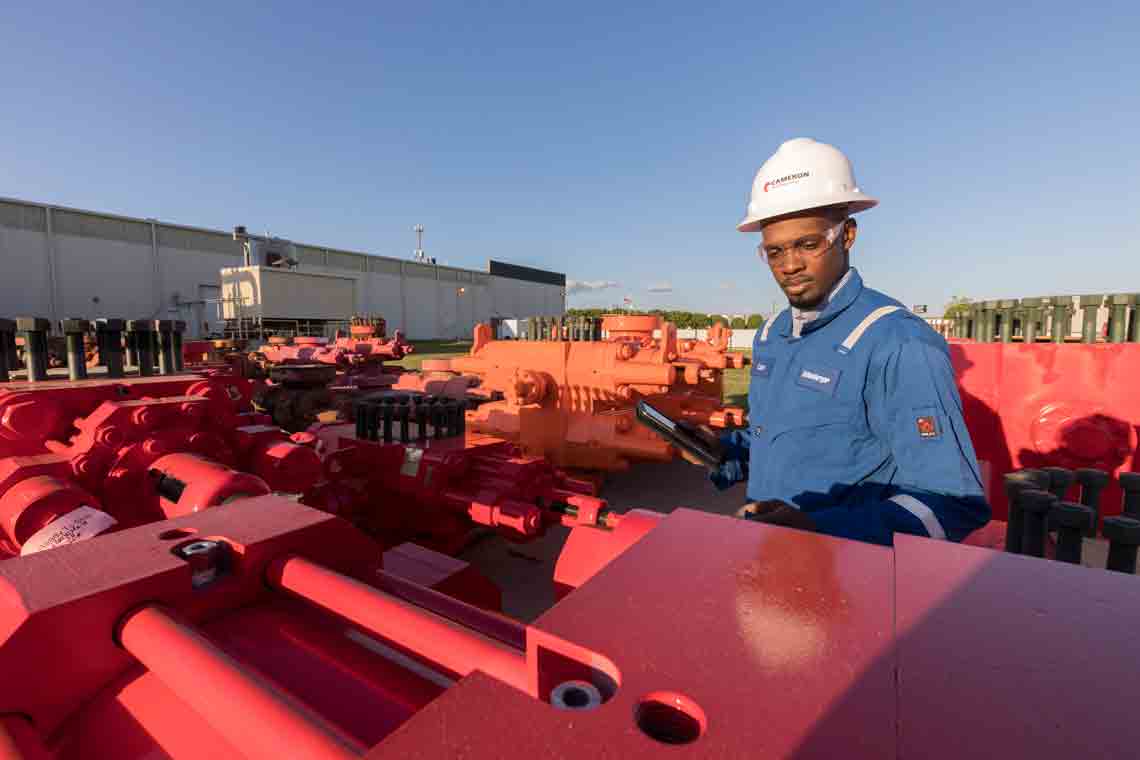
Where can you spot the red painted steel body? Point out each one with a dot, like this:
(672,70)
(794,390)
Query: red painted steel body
(763,641)
(110,444)
(454,484)
(255,719)
(436,639)
(1065,405)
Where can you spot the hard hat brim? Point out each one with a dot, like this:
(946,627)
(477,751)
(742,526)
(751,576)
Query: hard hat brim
(854,201)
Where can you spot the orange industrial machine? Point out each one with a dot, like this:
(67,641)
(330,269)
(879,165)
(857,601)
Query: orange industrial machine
(569,394)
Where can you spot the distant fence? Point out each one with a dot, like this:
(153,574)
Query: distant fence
(741,339)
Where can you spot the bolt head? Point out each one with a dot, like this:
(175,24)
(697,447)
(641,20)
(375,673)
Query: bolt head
(1123,530)
(140,325)
(1088,476)
(1036,501)
(1066,514)
(1130,481)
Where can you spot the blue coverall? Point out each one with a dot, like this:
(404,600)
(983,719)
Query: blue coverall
(858,423)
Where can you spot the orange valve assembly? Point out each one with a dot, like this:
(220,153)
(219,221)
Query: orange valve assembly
(571,400)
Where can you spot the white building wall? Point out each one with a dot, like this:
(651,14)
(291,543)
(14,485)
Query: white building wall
(119,274)
(25,286)
(57,262)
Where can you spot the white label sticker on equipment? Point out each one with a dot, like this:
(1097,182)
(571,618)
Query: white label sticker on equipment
(77,525)
(412,458)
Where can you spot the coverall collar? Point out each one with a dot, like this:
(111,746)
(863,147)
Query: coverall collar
(842,295)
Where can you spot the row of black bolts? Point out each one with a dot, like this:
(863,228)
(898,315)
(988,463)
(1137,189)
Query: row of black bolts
(146,340)
(377,418)
(1037,506)
(562,328)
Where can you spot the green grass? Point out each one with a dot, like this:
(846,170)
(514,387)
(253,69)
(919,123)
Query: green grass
(433,349)
(736,387)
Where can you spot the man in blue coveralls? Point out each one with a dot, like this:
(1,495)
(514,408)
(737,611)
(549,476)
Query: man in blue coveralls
(855,423)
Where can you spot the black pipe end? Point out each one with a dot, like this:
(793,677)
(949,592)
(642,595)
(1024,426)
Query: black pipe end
(1122,530)
(33,324)
(1130,481)
(75,326)
(1088,476)
(1071,516)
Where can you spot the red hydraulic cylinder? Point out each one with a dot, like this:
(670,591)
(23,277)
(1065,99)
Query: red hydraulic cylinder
(255,718)
(434,638)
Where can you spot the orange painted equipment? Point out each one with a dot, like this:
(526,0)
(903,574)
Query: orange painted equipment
(572,400)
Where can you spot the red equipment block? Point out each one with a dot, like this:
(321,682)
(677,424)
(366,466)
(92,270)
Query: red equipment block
(298,645)
(1064,405)
(79,458)
(447,486)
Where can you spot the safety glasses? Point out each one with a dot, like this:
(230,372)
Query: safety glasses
(809,246)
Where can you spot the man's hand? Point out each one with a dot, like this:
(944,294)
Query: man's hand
(773,512)
(706,430)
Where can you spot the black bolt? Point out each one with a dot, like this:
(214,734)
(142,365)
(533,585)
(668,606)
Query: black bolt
(7,328)
(405,409)
(421,420)
(141,336)
(1092,483)
(1035,506)
(111,346)
(387,410)
(1014,483)
(360,411)
(1130,483)
(164,331)
(1123,534)
(438,417)
(179,328)
(1070,521)
(74,331)
(35,330)
(1060,479)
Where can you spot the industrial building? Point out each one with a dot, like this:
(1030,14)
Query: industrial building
(64,262)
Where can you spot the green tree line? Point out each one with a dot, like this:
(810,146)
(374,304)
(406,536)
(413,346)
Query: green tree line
(682,319)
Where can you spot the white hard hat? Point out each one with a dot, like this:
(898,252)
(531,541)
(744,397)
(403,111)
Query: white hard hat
(803,174)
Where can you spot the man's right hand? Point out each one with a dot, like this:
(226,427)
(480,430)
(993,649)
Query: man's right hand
(706,430)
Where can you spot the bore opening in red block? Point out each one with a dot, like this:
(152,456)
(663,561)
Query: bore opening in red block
(670,718)
(176,533)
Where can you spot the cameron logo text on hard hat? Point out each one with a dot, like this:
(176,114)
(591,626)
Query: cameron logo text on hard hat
(785,180)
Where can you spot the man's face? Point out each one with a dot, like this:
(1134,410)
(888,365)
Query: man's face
(807,254)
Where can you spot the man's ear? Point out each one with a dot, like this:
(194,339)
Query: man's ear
(850,231)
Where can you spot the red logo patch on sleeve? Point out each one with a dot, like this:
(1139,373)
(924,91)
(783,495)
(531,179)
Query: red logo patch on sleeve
(927,427)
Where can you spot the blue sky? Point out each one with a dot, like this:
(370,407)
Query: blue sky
(615,142)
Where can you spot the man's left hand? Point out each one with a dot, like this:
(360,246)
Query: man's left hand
(777,513)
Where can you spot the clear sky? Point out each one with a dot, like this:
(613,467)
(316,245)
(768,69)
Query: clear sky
(614,141)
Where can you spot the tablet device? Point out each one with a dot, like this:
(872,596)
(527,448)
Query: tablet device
(682,434)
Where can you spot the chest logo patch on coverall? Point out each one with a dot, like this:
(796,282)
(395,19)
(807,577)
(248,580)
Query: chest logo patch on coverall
(927,427)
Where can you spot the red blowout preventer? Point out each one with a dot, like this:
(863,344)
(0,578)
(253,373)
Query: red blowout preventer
(1046,404)
(78,458)
(416,450)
